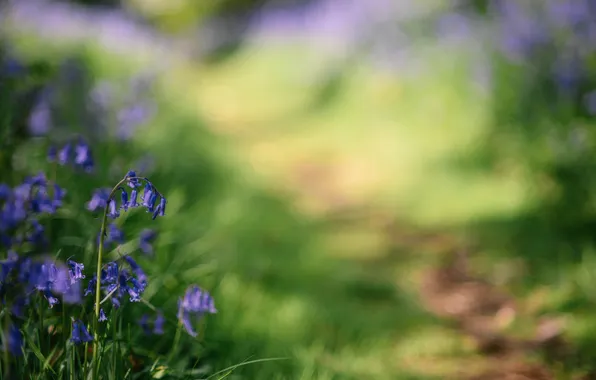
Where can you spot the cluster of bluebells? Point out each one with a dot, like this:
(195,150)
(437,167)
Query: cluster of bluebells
(78,154)
(136,109)
(22,278)
(98,109)
(149,198)
(195,303)
(558,34)
(21,208)
(118,281)
(158,324)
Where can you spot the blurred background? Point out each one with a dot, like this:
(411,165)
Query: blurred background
(373,189)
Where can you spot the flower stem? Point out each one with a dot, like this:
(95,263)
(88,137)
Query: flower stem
(95,360)
(6,357)
(176,342)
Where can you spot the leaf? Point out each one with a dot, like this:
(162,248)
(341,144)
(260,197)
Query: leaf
(38,353)
(159,372)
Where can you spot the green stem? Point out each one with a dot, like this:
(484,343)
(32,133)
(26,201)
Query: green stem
(115,315)
(72,361)
(41,345)
(176,342)
(95,359)
(6,357)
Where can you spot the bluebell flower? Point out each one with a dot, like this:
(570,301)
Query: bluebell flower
(72,294)
(102,316)
(40,120)
(158,324)
(52,154)
(76,271)
(115,302)
(138,271)
(133,182)
(112,209)
(135,290)
(99,199)
(24,272)
(14,340)
(91,286)
(83,157)
(50,298)
(6,268)
(113,235)
(130,118)
(133,198)
(195,303)
(80,333)
(146,237)
(39,179)
(49,279)
(151,204)
(11,67)
(59,194)
(156,212)
(5,191)
(124,201)
(162,206)
(18,306)
(148,196)
(110,275)
(65,154)
(144,323)
(37,235)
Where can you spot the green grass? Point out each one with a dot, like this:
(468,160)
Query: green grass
(334,299)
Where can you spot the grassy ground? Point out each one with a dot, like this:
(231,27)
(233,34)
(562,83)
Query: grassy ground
(301,204)
(316,275)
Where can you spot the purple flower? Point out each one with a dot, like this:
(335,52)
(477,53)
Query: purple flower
(113,235)
(162,206)
(52,153)
(98,199)
(112,209)
(72,295)
(133,182)
(19,305)
(80,333)
(158,324)
(146,237)
(102,316)
(40,120)
(195,303)
(135,290)
(130,118)
(144,323)
(65,154)
(148,198)
(133,199)
(91,286)
(124,201)
(83,157)
(138,271)
(115,302)
(111,273)
(14,340)
(76,271)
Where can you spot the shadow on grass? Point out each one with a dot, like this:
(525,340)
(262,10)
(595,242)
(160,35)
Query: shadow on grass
(278,292)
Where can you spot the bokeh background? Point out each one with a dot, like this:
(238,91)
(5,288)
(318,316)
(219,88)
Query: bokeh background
(371,189)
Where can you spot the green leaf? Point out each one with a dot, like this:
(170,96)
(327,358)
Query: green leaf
(38,353)
(159,372)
